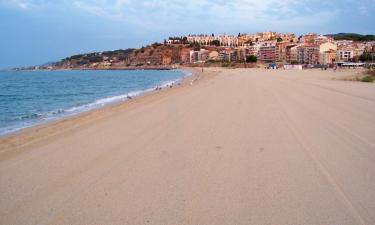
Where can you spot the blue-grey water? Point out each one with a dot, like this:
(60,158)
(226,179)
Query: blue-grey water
(28,98)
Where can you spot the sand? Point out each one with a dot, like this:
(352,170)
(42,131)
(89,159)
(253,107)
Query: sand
(236,147)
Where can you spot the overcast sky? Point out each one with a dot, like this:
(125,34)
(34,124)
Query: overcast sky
(38,31)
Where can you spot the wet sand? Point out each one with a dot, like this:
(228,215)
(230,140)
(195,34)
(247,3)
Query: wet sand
(236,147)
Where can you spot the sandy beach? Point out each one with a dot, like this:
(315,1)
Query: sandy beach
(229,146)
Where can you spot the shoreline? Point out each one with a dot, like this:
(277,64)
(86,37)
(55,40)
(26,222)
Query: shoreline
(93,69)
(192,73)
(21,136)
(105,101)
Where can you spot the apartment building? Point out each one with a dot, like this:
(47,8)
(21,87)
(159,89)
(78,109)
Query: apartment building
(185,55)
(328,57)
(345,54)
(198,56)
(266,36)
(228,40)
(267,51)
(206,40)
(292,54)
(213,55)
(321,39)
(309,38)
(283,51)
(229,55)
(327,53)
(308,54)
(247,40)
(287,37)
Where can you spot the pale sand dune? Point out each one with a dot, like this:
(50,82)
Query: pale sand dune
(240,147)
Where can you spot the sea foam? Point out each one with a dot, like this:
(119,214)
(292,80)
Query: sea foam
(28,120)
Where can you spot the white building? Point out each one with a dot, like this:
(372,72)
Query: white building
(206,40)
(345,54)
(201,39)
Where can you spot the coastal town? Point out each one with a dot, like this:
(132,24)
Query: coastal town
(272,47)
(201,112)
(262,49)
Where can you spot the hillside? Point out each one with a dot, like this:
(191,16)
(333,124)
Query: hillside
(95,59)
(352,36)
(155,55)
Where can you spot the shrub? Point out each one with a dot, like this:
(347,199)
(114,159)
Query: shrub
(215,42)
(369,79)
(226,64)
(75,56)
(251,59)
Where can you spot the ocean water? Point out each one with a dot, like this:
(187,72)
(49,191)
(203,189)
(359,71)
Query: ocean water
(28,98)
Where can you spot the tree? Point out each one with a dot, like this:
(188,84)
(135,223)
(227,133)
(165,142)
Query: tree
(156,44)
(279,39)
(215,42)
(353,36)
(251,59)
(367,56)
(195,46)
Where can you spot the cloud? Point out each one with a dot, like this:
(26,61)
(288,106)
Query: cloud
(21,4)
(366,6)
(167,14)
(162,12)
(90,8)
(200,14)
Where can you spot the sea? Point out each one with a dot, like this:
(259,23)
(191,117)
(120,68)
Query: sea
(29,98)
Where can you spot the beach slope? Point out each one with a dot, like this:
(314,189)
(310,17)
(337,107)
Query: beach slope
(235,147)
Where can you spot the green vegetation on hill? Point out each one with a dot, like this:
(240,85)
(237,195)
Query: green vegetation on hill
(353,37)
(155,54)
(118,52)
(98,56)
(95,57)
